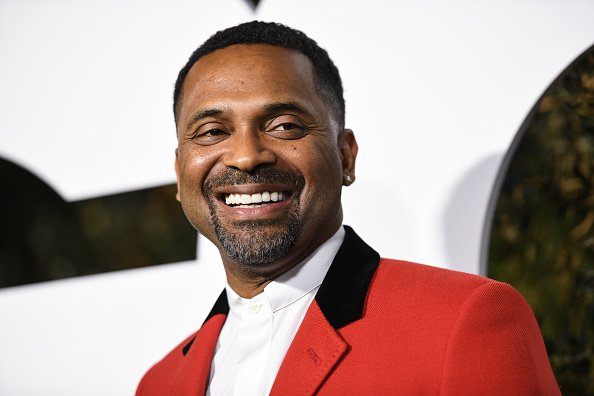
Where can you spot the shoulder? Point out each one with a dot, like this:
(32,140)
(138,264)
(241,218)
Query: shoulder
(474,322)
(397,277)
(413,271)
(441,301)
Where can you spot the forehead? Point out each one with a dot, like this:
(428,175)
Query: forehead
(249,71)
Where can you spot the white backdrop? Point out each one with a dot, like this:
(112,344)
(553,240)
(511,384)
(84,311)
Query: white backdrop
(435,93)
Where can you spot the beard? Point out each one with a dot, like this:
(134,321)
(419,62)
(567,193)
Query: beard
(256,243)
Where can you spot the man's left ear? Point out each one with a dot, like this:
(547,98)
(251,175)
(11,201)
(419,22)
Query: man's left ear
(348,152)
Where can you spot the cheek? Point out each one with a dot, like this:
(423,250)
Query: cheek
(324,161)
(194,167)
(321,166)
(320,201)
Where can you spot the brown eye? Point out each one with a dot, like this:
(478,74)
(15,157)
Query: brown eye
(210,136)
(287,126)
(214,132)
(287,130)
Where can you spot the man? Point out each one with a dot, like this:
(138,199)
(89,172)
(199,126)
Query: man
(309,308)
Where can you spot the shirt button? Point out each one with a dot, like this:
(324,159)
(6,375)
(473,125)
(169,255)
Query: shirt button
(255,308)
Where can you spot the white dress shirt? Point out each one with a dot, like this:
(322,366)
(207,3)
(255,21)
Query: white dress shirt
(258,331)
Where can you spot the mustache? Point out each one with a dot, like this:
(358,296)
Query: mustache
(232,176)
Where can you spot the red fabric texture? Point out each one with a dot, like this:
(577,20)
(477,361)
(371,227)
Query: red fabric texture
(424,331)
(179,374)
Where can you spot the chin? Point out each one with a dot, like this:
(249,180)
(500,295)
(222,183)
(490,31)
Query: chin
(256,244)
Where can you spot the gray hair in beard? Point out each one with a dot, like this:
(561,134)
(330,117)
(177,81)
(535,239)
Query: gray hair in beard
(245,242)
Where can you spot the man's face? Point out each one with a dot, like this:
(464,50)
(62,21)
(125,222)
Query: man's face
(260,160)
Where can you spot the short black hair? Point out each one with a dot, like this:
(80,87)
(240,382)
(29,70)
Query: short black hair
(326,75)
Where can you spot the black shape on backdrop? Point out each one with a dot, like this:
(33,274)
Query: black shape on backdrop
(43,237)
(539,228)
(253,3)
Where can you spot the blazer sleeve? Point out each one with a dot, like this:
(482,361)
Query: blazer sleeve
(496,348)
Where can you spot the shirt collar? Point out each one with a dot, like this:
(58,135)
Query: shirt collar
(296,282)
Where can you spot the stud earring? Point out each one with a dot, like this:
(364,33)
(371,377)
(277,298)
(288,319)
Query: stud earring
(348,179)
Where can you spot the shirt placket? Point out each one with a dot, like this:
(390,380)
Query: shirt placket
(254,343)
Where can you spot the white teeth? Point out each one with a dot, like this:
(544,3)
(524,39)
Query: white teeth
(256,198)
(250,199)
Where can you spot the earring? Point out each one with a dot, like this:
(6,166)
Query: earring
(348,179)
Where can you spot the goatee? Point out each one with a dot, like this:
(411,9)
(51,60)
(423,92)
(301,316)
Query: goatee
(251,243)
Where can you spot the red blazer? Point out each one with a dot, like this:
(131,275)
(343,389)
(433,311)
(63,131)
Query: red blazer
(387,327)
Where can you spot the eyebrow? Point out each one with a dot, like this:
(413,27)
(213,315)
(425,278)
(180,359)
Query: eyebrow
(285,106)
(201,115)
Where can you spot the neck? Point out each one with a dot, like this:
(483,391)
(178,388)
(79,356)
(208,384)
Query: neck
(248,281)
(246,287)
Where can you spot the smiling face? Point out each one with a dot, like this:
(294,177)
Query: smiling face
(260,160)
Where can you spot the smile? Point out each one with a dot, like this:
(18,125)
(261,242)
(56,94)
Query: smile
(256,200)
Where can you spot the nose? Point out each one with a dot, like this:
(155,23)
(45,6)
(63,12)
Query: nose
(248,152)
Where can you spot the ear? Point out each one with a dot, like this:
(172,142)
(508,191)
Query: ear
(177,176)
(348,150)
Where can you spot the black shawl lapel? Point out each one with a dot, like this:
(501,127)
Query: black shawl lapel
(341,296)
(344,289)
